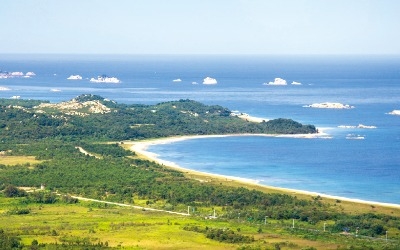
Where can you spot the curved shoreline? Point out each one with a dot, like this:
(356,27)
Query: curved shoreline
(140,147)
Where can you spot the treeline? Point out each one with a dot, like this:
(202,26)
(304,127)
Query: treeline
(22,122)
(37,196)
(123,179)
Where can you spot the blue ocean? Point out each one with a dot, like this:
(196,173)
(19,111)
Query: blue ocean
(361,162)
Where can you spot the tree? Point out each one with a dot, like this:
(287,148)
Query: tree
(13,191)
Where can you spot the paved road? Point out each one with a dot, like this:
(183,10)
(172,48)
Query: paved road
(127,205)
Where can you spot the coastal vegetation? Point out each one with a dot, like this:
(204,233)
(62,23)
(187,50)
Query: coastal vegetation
(91,117)
(75,155)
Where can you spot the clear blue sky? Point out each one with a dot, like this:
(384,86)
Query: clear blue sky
(200,26)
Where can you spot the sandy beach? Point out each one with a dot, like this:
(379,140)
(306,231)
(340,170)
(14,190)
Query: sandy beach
(141,147)
(249,118)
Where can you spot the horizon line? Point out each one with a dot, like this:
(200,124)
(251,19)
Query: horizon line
(193,54)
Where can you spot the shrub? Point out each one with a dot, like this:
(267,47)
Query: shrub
(13,191)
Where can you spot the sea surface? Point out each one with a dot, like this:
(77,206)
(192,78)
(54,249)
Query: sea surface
(351,162)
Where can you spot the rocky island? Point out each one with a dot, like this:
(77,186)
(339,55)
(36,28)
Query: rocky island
(329,105)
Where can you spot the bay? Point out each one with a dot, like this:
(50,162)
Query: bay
(366,169)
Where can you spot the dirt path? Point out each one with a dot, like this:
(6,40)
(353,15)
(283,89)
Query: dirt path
(86,152)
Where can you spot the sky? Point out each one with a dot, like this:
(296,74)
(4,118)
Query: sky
(200,26)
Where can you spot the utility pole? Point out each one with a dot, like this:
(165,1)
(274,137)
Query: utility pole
(293,224)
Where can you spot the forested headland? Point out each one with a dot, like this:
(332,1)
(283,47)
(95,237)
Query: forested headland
(91,117)
(246,218)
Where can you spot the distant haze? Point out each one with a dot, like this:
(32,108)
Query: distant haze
(200,27)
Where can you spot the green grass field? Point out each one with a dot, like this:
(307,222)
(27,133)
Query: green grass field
(137,229)
(99,223)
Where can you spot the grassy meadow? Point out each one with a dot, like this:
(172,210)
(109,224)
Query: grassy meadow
(14,160)
(127,228)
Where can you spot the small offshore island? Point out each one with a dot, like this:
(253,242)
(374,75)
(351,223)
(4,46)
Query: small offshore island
(74,159)
(16,74)
(105,79)
(329,105)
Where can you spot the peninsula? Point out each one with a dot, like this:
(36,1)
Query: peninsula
(96,118)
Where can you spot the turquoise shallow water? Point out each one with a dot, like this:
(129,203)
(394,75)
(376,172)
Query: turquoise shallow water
(367,169)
